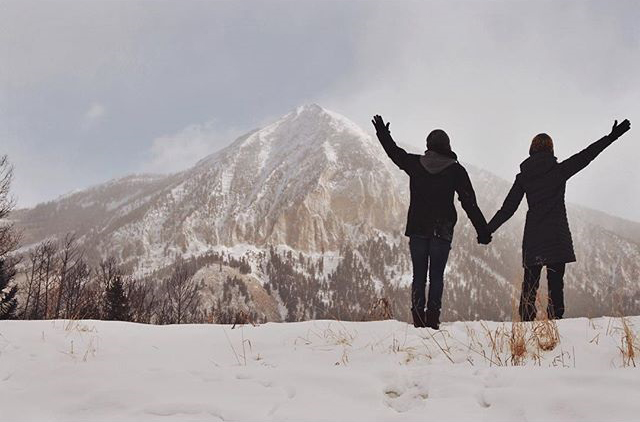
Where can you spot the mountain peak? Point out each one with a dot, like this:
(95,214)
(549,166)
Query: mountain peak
(313,116)
(312,108)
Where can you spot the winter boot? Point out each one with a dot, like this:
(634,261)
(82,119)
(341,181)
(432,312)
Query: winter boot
(432,319)
(418,318)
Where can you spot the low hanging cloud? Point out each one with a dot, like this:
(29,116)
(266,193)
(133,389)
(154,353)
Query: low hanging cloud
(95,112)
(173,153)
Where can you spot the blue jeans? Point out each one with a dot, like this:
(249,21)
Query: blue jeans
(428,254)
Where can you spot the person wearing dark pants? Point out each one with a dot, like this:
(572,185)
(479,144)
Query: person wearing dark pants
(428,254)
(547,238)
(434,178)
(555,283)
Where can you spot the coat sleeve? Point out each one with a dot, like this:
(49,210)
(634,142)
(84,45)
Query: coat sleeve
(578,161)
(509,207)
(467,198)
(399,156)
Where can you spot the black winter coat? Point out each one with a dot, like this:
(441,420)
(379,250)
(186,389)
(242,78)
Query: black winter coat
(547,238)
(431,209)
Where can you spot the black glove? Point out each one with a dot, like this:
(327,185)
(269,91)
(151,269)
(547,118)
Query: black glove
(378,123)
(484,238)
(620,129)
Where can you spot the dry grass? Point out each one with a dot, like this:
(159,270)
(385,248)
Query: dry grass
(545,334)
(545,331)
(74,327)
(518,343)
(77,325)
(379,310)
(329,337)
(241,358)
(339,336)
(628,345)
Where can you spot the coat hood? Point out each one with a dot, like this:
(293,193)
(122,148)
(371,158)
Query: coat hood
(435,162)
(538,164)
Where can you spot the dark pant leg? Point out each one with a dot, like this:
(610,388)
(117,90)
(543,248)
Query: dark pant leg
(419,248)
(527,308)
(438,256)
(555,280)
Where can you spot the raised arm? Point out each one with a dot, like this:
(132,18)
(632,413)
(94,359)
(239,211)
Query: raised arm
(467,198)
(578,161)
(509,207)
(397,154)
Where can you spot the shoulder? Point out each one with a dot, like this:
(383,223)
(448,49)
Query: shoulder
(458,166)
(459,169)
(413,158)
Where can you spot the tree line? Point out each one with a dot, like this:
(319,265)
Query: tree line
(58,282)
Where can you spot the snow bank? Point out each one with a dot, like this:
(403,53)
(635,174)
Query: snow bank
(316,370)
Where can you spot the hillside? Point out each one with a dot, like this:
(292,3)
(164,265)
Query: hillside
(318,210)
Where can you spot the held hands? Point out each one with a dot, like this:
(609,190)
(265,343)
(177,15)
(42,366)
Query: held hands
(620,129)
(378,123)
(484,239)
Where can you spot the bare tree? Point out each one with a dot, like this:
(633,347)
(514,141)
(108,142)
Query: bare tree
(70,257)
(78,301)
(49,264)
(30,274)
(182,299)
(39,279)
(143,299)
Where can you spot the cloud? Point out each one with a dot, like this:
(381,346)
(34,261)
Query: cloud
(493,74)
(172,153)
(95,112)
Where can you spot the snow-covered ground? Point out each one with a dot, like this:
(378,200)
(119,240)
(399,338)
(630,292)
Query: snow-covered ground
(316,370)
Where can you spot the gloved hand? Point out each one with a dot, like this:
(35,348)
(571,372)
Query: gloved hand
(378,123)
(620,129)
(484,239)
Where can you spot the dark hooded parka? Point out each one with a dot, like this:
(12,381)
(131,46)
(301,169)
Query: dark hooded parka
(434,178)
(547,238)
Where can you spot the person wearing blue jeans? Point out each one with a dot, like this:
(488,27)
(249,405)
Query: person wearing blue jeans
(428,254)
(434,179)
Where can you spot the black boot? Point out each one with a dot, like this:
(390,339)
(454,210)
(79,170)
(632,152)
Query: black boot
(418,318)
(432,319)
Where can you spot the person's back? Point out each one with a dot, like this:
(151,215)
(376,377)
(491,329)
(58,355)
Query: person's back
(544,185)
(434,179)
(547,237)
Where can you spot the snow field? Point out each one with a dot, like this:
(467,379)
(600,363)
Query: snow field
(315,370)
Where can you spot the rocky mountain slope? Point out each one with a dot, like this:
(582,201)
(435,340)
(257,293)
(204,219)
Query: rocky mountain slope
(318,210)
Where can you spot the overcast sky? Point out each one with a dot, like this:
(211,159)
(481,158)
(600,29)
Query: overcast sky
(94,90)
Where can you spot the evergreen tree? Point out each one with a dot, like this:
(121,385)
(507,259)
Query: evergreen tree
(8,301)
(8,242)
(116,302)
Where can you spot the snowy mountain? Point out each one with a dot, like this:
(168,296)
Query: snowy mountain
(314,205)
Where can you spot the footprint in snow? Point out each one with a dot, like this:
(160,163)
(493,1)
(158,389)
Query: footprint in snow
(404,395)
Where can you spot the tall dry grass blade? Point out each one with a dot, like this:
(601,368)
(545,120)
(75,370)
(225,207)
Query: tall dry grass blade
(628,344)
(518,343)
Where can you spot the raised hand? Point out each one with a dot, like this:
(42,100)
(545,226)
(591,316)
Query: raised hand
(378,123)
(620,129)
